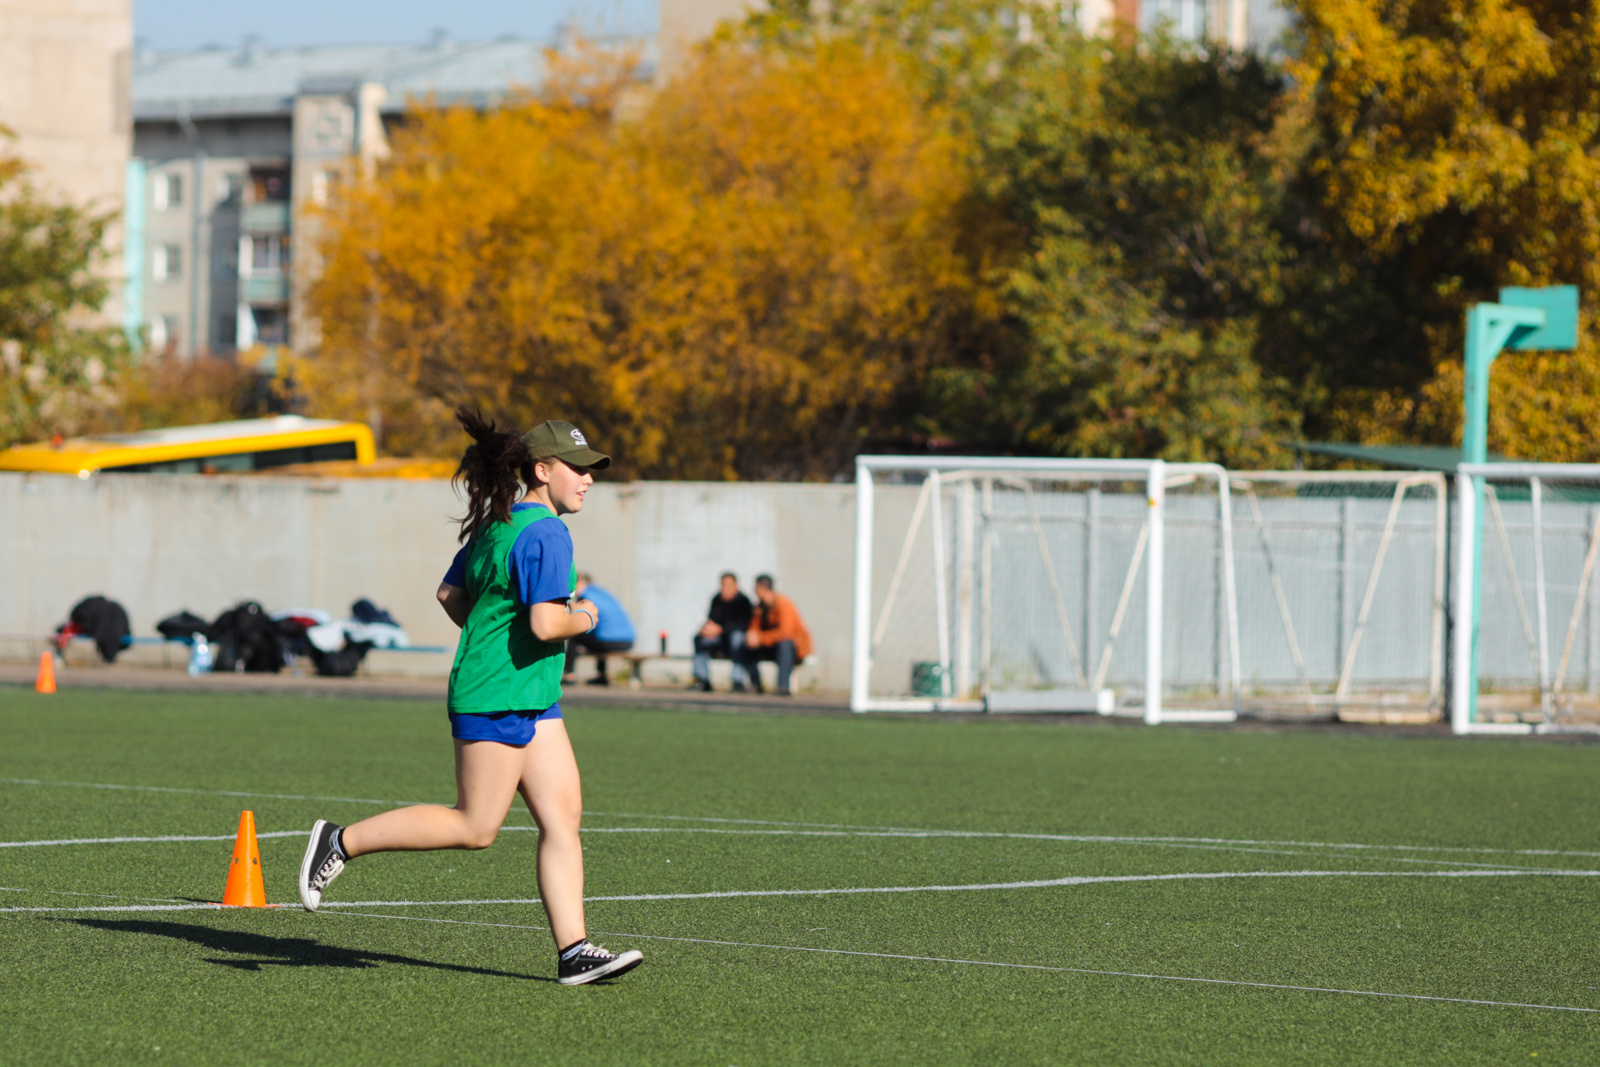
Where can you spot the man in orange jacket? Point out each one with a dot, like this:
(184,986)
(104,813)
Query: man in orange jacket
(777,633)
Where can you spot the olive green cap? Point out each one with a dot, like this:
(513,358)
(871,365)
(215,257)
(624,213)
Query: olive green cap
(562,440)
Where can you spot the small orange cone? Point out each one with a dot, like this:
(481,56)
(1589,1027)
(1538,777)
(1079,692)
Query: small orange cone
(46,682)
(244,888)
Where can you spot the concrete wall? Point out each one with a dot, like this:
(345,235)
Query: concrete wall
(159,544)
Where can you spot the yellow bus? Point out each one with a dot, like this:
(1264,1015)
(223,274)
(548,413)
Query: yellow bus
(218,448)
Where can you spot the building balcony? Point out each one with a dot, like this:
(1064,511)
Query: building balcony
(265,289)
(268,216)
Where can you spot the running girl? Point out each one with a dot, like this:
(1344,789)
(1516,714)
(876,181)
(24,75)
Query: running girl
(510,591)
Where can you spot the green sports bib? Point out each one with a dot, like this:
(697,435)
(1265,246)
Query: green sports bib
(500,665)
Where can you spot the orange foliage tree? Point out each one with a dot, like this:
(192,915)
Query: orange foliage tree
(744,278)
(1459,150)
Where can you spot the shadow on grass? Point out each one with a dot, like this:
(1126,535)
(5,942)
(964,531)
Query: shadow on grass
(260,950)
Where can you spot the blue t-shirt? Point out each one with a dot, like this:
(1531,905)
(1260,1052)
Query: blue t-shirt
(540,563)
(614,622)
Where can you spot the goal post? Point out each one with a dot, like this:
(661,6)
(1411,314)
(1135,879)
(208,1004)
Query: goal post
(978,586)
(1528,606)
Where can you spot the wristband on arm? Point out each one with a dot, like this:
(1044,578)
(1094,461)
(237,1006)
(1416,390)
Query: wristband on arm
(593,622)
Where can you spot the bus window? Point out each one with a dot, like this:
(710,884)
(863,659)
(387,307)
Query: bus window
(283,457)
(244,461)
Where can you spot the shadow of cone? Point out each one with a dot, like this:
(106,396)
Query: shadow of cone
(244,888)
(46,682)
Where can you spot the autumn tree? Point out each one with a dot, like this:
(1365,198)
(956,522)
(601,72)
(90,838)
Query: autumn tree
(746,278)
(1199,256)
(1457,149)
(1127,212)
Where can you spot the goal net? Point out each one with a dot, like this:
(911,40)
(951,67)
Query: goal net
(1341,585)
(1043,585)
(1526,648)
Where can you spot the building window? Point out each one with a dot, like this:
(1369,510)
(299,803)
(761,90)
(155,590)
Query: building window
(166,193)
(269,185)
(324,185)
(268,254)
(272,326)
(230,188)
(163,333)
(330,126)
(166,262)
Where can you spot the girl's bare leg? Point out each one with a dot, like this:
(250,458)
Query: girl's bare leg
(554,794)
(487,774)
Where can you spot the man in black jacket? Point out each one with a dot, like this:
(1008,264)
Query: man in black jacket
(722,636)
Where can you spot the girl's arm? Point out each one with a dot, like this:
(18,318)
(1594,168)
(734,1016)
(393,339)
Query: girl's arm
(551,620)
(457,604)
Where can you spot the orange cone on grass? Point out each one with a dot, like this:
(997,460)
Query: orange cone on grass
(244,889)
(46,682)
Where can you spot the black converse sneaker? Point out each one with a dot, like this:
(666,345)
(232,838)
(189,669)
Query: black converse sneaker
(584,962)
(323,861)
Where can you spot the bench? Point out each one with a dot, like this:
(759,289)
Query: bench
(637,660)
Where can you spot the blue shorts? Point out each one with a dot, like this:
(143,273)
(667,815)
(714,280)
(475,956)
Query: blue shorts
(506,727)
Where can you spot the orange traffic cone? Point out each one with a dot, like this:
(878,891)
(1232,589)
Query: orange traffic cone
(244,888)
(46,682)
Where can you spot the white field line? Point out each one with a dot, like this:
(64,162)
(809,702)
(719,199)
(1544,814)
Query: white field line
(1278,986)
(97,896)
(963,834)
(1116,974)
(141,840)
(1043,883)
(898,830)
(202,792)
(1282,987)
(780,833)
(1093,838)
(129,907)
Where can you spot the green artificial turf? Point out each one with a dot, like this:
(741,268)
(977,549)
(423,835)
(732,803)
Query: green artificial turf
(379,986)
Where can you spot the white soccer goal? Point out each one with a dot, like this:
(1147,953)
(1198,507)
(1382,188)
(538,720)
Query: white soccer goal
(1042,585)
(1526,647)
(1341,578)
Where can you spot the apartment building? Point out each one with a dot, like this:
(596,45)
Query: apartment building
(233,149)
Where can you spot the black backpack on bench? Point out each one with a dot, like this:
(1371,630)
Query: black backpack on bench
(246,639)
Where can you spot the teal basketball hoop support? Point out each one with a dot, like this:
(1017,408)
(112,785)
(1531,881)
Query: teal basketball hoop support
(1523,320)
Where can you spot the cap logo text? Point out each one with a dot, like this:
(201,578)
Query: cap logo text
(577,435)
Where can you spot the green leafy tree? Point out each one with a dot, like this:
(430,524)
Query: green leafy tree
(1141,182)
(58,369)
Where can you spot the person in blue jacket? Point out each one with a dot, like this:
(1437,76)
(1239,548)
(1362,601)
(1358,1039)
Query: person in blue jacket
(614,634)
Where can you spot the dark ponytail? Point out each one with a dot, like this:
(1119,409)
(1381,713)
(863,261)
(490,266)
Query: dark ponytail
(494,469)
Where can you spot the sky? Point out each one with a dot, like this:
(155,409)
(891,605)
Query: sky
(168,24)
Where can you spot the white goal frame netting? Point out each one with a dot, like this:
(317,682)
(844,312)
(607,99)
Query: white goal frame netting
(1525,650)
(949,545)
